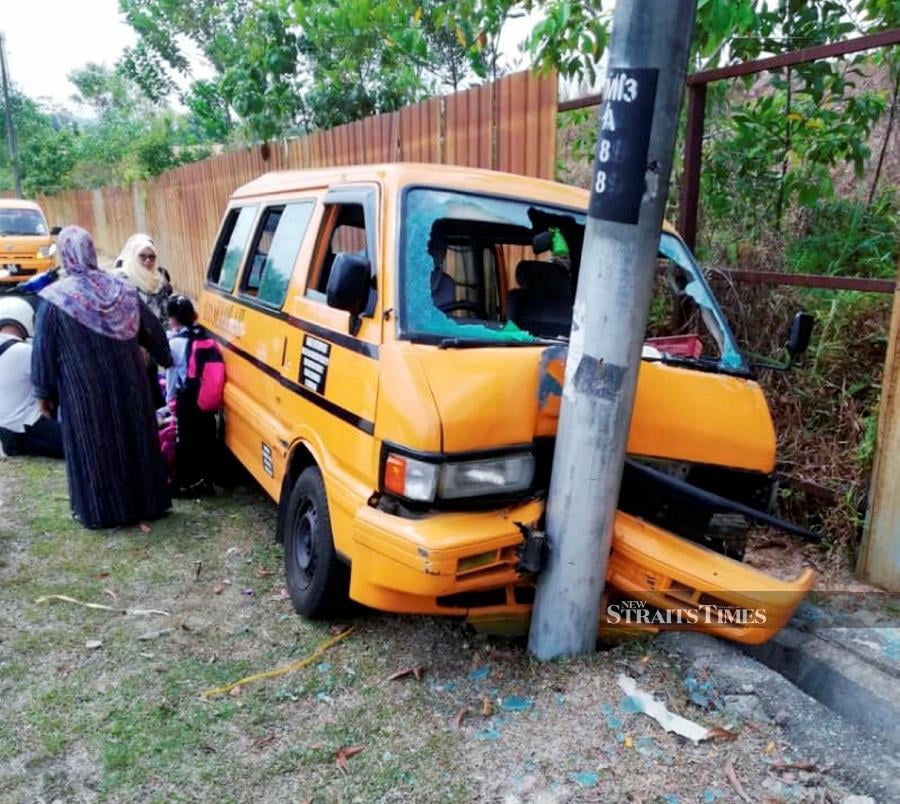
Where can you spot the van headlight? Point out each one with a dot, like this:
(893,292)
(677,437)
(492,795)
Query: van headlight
(424,481)
(46,252)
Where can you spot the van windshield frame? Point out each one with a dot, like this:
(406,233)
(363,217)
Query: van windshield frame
(419,319)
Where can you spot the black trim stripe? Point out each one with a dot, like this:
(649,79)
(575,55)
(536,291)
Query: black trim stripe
(363,348)
(335,410)
(338,338)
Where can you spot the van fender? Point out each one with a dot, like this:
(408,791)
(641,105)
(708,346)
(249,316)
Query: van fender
(300,457)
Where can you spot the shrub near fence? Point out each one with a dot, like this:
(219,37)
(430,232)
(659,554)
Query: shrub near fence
(509,125)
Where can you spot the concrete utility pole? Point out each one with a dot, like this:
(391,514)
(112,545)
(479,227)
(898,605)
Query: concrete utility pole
(10,127)
(648,56)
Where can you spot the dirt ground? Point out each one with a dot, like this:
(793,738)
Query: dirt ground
(101,705)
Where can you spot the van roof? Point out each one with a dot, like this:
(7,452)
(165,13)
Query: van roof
(400,174)
(19,203)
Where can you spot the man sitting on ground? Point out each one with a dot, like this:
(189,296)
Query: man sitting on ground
(24,430)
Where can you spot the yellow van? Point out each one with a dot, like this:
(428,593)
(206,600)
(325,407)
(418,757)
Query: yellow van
(26,245)
(395,337)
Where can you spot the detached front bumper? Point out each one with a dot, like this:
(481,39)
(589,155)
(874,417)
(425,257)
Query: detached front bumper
(464,565)
(15,269)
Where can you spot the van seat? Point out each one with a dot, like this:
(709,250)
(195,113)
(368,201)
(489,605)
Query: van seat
(542,304)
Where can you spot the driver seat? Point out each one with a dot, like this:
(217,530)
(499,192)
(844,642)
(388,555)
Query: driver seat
(443,289)
(542,304)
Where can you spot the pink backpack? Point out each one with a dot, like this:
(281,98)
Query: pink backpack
(205,370)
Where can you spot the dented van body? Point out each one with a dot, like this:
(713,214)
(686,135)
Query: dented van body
(395,338)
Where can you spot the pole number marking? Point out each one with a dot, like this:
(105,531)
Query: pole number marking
(626,119)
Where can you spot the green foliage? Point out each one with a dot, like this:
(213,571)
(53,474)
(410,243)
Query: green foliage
(210,119)
(259,83)
(570,38)
(841,236)
(129,139)
(309,63)
(47,147)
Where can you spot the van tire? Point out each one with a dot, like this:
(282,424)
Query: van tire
(317,580)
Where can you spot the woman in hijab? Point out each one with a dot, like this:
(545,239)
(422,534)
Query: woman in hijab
(137,265)
(87,361)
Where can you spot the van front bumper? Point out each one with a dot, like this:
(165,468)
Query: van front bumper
(17,269)
(465,565)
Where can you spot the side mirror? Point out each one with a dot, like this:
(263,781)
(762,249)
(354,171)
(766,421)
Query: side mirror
(798,339)
(55,230)
(348,285)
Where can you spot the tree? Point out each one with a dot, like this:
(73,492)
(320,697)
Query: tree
(47,148)
(158,58)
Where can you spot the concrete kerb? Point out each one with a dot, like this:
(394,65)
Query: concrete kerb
(863,761)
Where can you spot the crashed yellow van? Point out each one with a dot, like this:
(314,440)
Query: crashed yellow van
(395,338)
(26,245)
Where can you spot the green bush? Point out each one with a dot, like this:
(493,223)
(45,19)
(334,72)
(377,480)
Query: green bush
(841,236)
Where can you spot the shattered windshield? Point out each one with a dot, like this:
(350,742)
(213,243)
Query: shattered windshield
(685,320)
(483,270)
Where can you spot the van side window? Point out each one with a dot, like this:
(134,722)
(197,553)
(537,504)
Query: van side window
(231,246)
(278,238)
(344,229)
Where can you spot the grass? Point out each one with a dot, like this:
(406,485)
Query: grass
(125,721)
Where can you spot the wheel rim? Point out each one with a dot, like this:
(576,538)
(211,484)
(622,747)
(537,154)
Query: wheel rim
(303,542)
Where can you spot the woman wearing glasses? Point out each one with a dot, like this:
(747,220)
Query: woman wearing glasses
(138,266)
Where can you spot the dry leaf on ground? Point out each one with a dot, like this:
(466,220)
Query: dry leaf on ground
(800,766)
(345,753)
(733,780)
(408,671)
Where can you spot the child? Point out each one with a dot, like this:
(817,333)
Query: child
(188,390)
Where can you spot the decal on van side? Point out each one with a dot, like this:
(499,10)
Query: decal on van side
(268,466)
(224,316)
(314,358)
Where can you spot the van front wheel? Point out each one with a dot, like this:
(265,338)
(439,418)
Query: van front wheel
(317,581)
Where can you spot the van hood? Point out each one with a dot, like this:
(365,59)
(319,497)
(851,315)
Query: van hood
(489,398)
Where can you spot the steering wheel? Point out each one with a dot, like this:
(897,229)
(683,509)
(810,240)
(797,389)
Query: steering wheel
(464,304)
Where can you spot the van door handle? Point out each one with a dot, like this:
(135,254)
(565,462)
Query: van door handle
(283,350)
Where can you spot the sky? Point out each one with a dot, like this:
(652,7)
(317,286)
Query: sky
(47,39)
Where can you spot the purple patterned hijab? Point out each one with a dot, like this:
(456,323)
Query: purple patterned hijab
(98,301)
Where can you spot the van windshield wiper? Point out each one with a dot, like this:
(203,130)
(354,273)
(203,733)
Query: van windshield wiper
(699,363)
(474,343)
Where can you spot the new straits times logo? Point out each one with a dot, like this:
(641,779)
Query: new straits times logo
(638,612)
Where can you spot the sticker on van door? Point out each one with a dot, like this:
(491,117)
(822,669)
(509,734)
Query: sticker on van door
(267,465)
(314,357)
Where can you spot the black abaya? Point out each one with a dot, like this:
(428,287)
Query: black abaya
(113,460)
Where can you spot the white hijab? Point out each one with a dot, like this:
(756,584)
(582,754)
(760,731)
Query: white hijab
(132,269)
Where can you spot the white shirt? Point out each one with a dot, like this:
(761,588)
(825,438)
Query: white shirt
(18,406)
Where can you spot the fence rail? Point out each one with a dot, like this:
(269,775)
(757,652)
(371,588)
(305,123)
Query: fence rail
(509,125)
(859,283)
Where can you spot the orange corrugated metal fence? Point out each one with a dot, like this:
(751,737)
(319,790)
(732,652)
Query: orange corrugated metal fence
(509,125)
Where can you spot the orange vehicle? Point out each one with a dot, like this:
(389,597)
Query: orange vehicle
(395,338)
(26,243)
